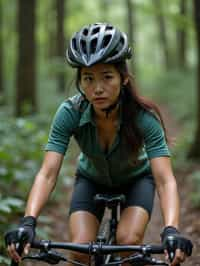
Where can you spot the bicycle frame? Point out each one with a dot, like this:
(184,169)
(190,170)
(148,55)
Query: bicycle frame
(108,228)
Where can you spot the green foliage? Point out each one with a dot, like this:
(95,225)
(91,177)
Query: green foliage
(21,154)
(177,90)
(23,140)
(8,205)
(4,260)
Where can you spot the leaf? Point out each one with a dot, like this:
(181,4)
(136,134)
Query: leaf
(5,155)
(4,208)
(3,171)
(7,204)
(4,260)
(14,202)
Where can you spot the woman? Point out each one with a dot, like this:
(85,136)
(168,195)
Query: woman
(123,148)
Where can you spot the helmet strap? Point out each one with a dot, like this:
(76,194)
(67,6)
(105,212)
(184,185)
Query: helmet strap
(110,108)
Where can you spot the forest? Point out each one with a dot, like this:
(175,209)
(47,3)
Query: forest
(35,78)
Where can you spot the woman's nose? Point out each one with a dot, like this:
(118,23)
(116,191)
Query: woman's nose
(98,88)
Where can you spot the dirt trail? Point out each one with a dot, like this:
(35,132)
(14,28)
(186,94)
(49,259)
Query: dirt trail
(190,222)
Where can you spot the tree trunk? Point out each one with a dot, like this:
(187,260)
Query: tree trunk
(130,26)
(195,149)
(60,7)
(51,31)
(1,60)
(181,38)
(26,80)
(162,32)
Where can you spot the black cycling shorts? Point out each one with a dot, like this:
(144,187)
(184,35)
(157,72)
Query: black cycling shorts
(139,193)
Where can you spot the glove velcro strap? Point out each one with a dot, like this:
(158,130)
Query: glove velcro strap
(28,221)
(169,230)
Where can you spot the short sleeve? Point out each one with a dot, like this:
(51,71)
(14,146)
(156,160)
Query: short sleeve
(154,137)
(62,127)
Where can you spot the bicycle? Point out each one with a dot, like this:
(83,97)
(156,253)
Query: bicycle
(103,251)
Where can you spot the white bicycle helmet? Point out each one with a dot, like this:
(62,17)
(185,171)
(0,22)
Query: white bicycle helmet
(95,43)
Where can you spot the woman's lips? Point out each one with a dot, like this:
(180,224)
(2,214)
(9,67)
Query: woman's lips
(99,99)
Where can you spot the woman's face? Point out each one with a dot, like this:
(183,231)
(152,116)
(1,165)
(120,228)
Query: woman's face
(101,84)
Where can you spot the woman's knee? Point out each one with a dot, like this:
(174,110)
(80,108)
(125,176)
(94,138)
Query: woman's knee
(126,238)
(81,239)
(132,226)
(83,227)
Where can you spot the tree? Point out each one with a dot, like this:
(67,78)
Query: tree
(195,150)
(26,80)
(1,59)
(181,37)
(130,25)
(162,32)
(60,7)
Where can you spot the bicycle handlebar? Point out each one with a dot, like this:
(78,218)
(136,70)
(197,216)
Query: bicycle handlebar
(53,257)
(94,248)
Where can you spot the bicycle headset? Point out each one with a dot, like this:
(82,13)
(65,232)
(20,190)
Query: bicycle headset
(98,43)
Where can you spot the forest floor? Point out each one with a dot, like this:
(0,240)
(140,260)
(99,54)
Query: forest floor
(190,217)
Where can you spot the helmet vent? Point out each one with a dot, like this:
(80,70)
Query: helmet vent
(74,44)
(122,41)
(109,28)
(93,45)
(121,44)
(106,40)
(95,30)
(85,32)
(83,46)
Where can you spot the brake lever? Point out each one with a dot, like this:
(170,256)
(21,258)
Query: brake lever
(143,260)
(154,261)
(50,256)
(139,259)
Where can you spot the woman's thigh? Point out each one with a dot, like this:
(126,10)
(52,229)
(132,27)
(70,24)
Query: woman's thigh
(85,214)
(137,212)
(141,194)
(82,199)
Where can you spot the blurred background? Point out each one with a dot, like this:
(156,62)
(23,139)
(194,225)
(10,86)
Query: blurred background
(35,79)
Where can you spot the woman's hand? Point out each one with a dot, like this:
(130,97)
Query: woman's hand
(177,247)
(20,239)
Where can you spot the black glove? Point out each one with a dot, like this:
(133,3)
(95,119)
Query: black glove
(24,234)
(172,240)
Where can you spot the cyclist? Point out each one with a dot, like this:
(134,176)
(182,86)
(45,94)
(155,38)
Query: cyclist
(123,145)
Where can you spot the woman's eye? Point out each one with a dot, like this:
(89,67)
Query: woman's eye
(108,77)
(88,79)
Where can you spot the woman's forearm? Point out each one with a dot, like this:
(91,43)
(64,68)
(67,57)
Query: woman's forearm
(41,189)
(169,201)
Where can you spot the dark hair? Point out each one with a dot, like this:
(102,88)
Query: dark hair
(132,104)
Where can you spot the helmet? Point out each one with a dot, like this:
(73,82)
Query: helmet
(95,43)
